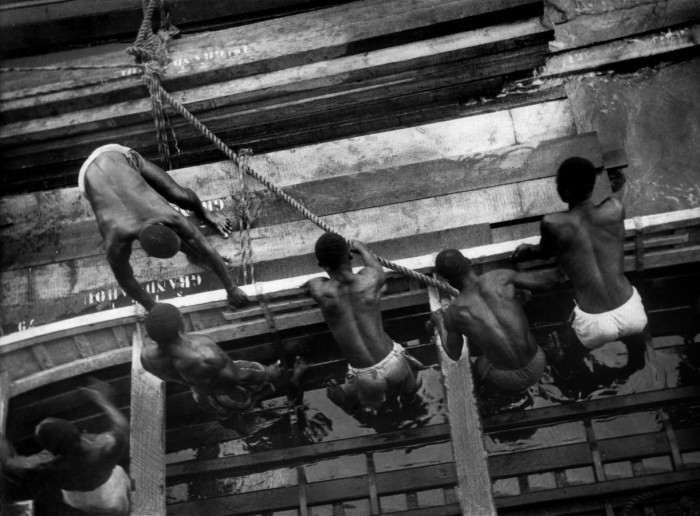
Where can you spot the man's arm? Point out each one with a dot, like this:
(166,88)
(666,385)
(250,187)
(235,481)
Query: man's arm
(119,425)
(534,281)
(183,197)
(118,255)
(22,467)
(452,340)
(372,265)
(195,240)
(541,251)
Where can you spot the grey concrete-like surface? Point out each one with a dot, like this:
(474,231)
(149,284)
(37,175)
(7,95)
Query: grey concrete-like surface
(655,112)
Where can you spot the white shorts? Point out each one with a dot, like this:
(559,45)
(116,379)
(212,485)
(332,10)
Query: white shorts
(105,148)
(595,330)
(111,498)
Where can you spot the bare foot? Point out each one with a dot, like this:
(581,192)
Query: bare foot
(337,395)
(219,222)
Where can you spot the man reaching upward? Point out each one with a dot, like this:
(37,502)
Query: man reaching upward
(218,384)
(83,466)
(349,302)
(588,242)
(488,312)
(130,197)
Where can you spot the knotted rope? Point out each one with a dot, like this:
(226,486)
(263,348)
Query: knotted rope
(151,50)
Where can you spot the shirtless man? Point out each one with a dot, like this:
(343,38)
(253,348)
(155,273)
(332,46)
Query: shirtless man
(489,313)
(588,243)
(83,466)
(377,366)
(130,197)
(219,385)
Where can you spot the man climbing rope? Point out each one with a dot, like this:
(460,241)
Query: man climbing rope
(83,466)
(220,385)
(377,366)
(489,313)
(588,242)
(130,197)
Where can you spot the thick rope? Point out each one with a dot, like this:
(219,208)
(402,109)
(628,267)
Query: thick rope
(150,50)
(289,200)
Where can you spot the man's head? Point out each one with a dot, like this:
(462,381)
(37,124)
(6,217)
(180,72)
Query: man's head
(575,180)
(332,251)
(159,241)
(164,323)
(58,436)
(453,266)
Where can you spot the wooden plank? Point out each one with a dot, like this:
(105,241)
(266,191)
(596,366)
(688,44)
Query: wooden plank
(266,460)
(283,43)
(4,404)
(328,196)
(290,122)
(590,23)
(606,54)
(598,489)
(71,369)
(147,467)
(37,25)
(275,87)
(324,492)
(474,489)
(591,409)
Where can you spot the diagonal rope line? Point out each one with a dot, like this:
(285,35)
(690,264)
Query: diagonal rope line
(285,197)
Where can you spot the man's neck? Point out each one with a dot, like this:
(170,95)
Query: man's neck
(580,205)
(343,274)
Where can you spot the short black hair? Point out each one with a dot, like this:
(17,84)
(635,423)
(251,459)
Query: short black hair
(575,179)
(331,250)
(159,241)
(453,266)
(58,436)
(164,323)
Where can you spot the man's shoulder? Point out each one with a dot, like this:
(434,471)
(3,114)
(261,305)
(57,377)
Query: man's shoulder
(611,208)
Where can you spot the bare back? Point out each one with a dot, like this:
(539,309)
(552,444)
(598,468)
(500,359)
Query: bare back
(588,241)
(196,361)
(121,198)
(490,315)
(351,310)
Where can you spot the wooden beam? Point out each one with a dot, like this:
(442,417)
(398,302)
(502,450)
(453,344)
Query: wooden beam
(323,197)
(474,489)
(614,52)
(36,25)
(315,79)
(598,490)
(283,43)
(587,24)
(240,464)
(592,409)
(321,493)
(147,453)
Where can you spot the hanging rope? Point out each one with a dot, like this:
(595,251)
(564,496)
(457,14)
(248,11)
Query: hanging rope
(151,50)
(290,200)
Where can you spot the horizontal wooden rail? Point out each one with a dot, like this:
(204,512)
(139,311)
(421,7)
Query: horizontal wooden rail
(505,465)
